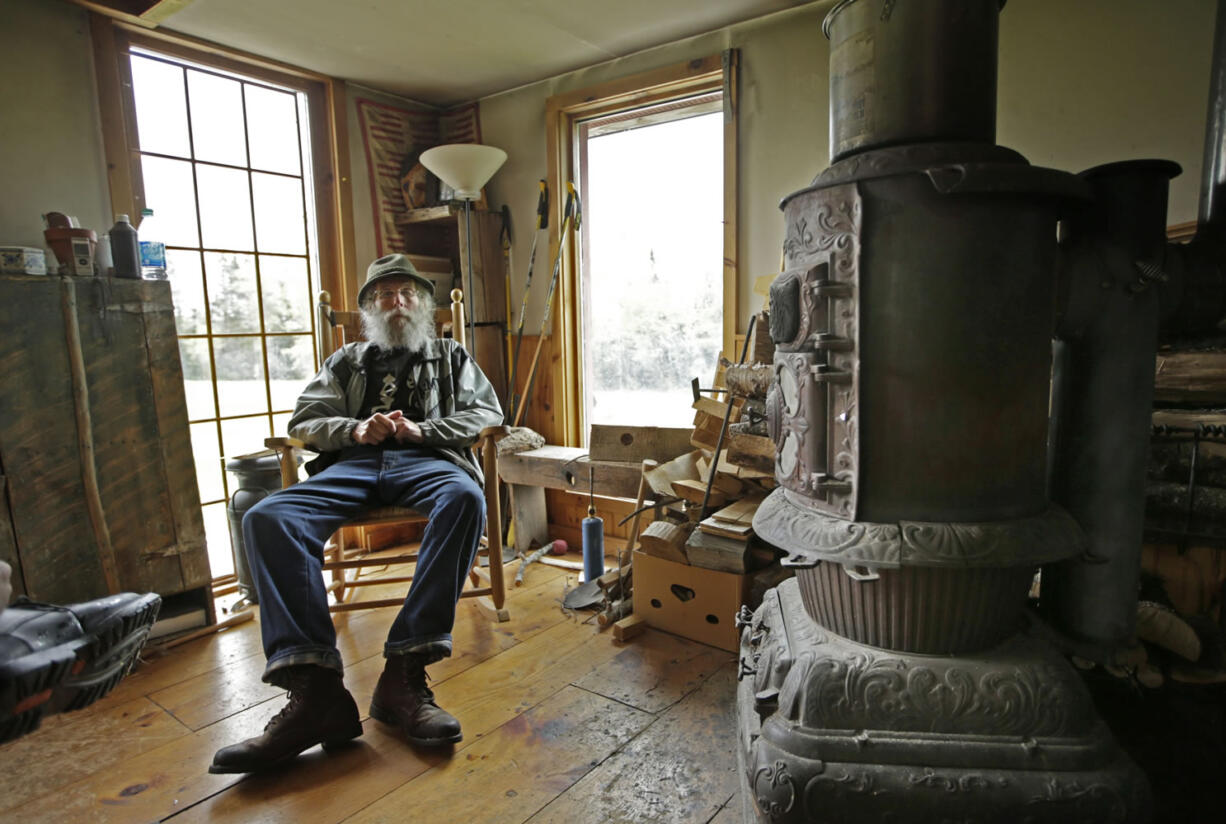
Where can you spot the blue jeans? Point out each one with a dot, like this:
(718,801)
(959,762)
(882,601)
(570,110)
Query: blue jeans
(284,536)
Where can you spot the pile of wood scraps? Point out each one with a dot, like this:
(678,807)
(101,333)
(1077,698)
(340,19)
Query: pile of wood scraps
(724,540)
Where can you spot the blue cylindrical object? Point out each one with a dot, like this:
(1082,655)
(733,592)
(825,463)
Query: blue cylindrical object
(593,548)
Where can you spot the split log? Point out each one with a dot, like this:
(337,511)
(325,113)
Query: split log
(749,380)
(666,540)
(753,451)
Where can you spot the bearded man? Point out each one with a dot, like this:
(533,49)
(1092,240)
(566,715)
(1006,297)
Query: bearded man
(393,419)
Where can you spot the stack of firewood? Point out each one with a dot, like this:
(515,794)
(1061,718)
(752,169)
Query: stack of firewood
(713,491)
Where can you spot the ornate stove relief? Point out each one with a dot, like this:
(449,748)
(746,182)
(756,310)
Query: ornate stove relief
(813,409)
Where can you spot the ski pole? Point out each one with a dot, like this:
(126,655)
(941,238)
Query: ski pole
(542,222)
(571,217)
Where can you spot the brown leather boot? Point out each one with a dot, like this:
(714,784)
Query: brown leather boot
(402,699)
(320,711)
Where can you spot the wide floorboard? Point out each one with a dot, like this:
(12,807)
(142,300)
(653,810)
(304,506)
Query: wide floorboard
(561,724)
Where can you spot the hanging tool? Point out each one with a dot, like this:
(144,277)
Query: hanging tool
(572,216)
(542,222)
(505,240)
(593,533)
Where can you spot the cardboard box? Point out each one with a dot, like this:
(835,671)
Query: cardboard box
(695,603)
(22,260)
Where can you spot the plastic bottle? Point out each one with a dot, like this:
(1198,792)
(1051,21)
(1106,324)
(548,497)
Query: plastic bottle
(152,248)
(125,248)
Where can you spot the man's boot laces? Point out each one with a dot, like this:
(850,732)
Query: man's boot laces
(413,671)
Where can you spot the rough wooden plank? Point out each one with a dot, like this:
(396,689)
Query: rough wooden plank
(489,303)
(637,443)
(682,769)
(178,464)
(565,467)
(50,521)
(1191,376)
(753,451)
(696,492)
(628,628)
(739,512)
(492,358)
(529,515)
(655,673)
(8,543)
(70,747)
(524,764)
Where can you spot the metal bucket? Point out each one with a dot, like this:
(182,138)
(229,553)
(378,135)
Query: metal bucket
(911,72)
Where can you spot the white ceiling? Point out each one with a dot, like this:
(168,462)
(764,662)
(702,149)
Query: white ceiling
(452,51)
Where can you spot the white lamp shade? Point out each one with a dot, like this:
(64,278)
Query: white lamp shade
(465,167)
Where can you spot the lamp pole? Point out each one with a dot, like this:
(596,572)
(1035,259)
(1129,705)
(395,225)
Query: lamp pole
(472,298)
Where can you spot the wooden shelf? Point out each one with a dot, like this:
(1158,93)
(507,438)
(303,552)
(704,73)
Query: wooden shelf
(431,214)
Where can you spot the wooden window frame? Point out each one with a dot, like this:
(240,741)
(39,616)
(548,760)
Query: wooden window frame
(112,40)
(563,113)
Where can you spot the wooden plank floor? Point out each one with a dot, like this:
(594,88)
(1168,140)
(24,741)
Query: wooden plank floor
(561,724)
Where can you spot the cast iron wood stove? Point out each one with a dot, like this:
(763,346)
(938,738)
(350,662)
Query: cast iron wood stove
(896,677)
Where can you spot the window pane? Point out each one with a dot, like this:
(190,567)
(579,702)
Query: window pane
(291,364)
(287,294)
(232,293)
(170,193)
(187,291)
(217,118)
(280,423)
(161,112)
(197,377)
(240,375)
(225,208)
(217,537)
(242,436)
(656,273)
(208,466)
(272,130)
(280,224)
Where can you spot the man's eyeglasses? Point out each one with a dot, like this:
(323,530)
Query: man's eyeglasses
(406,294)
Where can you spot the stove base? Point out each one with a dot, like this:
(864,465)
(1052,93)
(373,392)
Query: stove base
(835,731)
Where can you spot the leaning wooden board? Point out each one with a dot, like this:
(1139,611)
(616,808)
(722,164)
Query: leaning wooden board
(141,449)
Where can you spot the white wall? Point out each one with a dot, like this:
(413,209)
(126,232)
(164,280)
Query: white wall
(51,156)
(1080,83)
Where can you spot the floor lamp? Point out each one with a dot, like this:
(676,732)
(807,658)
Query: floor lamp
(465,167)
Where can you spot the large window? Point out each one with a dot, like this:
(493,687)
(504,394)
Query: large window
(652,251)
(229,161)
(648,299)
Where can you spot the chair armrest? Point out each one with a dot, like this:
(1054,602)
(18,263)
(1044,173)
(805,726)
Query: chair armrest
(284,442)
(285,447)
(494,433)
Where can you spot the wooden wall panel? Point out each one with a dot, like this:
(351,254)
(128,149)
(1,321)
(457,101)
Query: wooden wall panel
(136,417)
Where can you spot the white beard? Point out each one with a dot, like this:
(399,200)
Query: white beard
(400,328)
